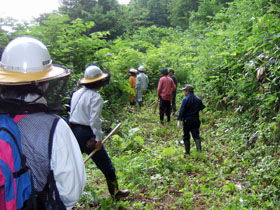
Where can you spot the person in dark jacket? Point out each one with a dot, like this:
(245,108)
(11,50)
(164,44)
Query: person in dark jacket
(173,101)
(189,114)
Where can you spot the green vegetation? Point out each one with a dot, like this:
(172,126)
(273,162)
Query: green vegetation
(229,50)
(149,158)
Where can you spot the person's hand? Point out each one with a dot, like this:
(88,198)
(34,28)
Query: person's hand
(91,143)
(98,145)
(178,124)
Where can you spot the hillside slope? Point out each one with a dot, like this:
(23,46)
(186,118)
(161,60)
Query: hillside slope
(231,172)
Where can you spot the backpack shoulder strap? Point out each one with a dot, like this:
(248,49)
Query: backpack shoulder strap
(57,202)
(78,100)
(23,167)
(15,159)
(56,119)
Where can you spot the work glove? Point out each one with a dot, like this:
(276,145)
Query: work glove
(178,124)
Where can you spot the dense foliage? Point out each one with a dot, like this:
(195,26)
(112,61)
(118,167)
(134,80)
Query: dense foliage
(229,50)
(149,157)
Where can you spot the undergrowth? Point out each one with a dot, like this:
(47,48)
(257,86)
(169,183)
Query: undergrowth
(234,171)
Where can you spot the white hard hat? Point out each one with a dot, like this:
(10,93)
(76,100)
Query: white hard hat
(25,60)
(141,68)
(93,74)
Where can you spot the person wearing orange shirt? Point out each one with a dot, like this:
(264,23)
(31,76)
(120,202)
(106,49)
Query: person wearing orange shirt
(132,82)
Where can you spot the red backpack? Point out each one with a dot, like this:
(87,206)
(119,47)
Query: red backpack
(15,182)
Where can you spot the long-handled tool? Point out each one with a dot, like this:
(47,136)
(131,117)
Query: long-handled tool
(151,104)
(156,106)
(107,137)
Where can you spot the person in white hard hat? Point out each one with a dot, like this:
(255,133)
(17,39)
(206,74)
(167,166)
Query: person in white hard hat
(25,70)
(85,120)
(142,82)
(132,83)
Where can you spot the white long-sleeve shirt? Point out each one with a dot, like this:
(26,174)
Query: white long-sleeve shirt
(142,81)
(86,108)
(67,164)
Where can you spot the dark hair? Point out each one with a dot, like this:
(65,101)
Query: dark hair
(164,71)
(171,70)
(189,88)
(1,52)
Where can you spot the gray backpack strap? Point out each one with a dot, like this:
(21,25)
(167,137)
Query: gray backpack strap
(78,100)
(52,198)
(57,202)
(51,137)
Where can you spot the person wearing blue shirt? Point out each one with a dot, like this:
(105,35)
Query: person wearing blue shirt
(189,114)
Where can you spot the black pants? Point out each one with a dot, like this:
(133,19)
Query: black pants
(101,157)
(164,108)
(190,125)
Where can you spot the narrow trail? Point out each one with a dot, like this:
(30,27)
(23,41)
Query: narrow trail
(150,162)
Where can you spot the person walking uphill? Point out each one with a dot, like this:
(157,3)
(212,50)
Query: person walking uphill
(142,82)
(86,107)
(52,153)
(132,83)
(189,114)
(165,89)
